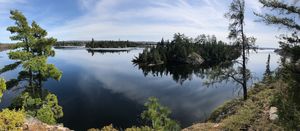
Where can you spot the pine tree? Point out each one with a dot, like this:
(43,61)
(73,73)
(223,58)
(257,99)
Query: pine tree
(236,15)
(32,49)
(268,73)
(158,115)
(284,15)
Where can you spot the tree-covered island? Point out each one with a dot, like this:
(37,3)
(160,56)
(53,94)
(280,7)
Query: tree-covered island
(193,51)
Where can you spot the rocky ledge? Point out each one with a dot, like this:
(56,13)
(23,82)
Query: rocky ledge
(32,124)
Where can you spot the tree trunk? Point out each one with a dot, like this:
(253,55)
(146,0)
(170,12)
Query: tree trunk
(244,61)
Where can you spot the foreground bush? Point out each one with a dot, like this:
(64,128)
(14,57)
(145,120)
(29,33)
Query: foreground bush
(156,115)
(11,120)
(46,109)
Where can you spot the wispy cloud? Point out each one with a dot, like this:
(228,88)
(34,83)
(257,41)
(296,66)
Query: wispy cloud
(140,20)
(113,19)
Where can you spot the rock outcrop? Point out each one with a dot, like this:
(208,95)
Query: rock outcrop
(194,59)
(32,124)
(273,113)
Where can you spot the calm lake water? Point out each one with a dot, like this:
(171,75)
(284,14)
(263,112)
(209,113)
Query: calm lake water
(103,88)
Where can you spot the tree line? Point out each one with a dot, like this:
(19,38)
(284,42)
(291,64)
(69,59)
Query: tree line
(103,44)
(112,44)
(183,48)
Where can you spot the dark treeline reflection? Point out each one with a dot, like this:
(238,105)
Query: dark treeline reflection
(106,51)
(182,72)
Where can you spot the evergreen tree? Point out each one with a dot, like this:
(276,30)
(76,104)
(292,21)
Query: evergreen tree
(158,115)
(236,15)
(32,48)
(32,51)
(286,15)
(93,43)
(268,73)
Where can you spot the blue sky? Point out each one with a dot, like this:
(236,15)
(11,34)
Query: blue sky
(141,20)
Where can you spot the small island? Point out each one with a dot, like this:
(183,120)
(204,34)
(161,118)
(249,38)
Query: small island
(204,49)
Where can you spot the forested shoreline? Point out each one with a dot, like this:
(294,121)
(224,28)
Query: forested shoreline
(271,104)
(185,50)
(104,43)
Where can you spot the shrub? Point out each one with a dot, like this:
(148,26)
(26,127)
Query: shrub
(158,115)
(2,87)
(11,120)
(46,115)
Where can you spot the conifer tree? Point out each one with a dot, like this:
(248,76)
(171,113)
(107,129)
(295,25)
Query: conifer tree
(236,15)
(32,48)
(268,73)
(286,15)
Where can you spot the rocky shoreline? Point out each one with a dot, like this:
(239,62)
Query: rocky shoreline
(256,113)
(33,124)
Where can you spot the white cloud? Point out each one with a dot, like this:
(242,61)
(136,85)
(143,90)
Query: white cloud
(145,20)
(86,4)
(105,20)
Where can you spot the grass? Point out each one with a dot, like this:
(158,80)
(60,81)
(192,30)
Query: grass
(252,114)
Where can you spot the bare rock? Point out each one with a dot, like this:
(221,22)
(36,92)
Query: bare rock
(194,59)
(32,124)
(273,113)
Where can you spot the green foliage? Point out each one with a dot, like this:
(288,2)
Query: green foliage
(11,120)
(236,16)
(285,15)
(9,67)
(182,47)
(2,87)
(268,74)
(158,115)
(288,112)
(112,44)
(106,128)
(45,108)
(143,128)
(46,115)
(251,114)
(287,99)
(32,49)
(69,43)
(226,109)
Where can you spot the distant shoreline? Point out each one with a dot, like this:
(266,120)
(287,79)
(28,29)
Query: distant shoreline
(4,47)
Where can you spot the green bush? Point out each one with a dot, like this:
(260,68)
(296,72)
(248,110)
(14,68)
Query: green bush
(2,87)
(158,115)
(11,120)
(143,128)
(46,115)
(45,108)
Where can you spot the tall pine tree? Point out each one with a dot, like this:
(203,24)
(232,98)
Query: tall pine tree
(236,15)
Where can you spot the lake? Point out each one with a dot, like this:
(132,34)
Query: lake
(98,89)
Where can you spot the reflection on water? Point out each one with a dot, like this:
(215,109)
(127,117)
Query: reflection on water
(107,88)
(180,73)
(107,51)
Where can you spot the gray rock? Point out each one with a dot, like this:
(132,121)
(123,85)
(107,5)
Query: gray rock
(273,113)
(194,59)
